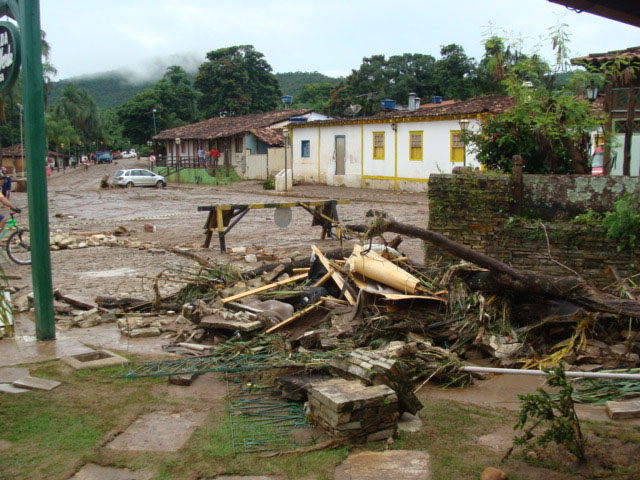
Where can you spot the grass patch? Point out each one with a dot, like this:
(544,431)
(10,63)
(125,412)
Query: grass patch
(52,434)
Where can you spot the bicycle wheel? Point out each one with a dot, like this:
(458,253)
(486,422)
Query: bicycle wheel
(19,247)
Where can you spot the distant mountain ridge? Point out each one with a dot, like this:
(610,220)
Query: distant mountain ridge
(112,89)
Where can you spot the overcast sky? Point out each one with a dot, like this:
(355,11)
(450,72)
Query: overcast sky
(330,36)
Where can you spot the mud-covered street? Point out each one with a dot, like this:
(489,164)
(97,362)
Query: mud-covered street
(78,205)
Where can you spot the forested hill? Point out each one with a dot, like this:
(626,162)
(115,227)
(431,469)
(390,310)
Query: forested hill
(292,82)
(109,89)
(112,89)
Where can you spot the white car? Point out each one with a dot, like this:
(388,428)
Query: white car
(138,177)
(129,154)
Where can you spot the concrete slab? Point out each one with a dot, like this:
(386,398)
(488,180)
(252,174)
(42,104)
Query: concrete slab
(26,349)
(409,423)
(35,383)
(388,465)
(8,388)
(95,472)
(11,374)
(159,432)
(94,359)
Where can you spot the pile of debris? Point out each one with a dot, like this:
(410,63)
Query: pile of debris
(69,241)
(386,326)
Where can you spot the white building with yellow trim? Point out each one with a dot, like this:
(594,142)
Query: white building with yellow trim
(391,150)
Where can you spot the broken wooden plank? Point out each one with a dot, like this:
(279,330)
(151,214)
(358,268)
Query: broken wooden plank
(301,270)
(295,316)
(264,288)
(340,282)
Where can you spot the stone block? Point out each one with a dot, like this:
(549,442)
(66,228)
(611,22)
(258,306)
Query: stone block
(145,332)
(35,383)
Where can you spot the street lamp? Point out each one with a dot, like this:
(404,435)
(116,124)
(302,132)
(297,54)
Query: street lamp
(464,124)
(591,92)
(153,112)
(177,149)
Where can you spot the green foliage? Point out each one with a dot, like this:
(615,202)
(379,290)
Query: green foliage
(269,184)
(548,125)
(236,81)
(623,224)
(76,107)
(292,83)
(379,78)
(556,412)
(590,218)
(313,95)
(174,100)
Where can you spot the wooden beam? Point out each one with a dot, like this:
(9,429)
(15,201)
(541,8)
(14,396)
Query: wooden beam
(340,282)
(264,288)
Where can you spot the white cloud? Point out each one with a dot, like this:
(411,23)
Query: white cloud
(305,35)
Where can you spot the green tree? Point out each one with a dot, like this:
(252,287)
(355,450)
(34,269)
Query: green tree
(452,77)
(172,97)
(549,125)
(454,73)
(136,116)
(313,95)
(60,131)
(77,106)
(236,81)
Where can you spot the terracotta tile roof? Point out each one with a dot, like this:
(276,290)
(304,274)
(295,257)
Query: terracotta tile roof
(432,105)
(229,126)
(270,136)
(596,59)
(488,104)
(16,151)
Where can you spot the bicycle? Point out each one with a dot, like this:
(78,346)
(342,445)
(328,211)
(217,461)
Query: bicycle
(19,243)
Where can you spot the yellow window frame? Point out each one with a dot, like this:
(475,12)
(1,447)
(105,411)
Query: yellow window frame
(456,149)
(378,152)
(415,153)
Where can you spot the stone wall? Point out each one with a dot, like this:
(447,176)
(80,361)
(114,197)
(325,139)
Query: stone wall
(476,210)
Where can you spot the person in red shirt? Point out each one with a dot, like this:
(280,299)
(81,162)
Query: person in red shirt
(215,155)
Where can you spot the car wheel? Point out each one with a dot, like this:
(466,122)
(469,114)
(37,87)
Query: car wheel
(160,184)
(129,184)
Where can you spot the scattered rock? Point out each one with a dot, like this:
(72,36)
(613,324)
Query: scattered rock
(491,473)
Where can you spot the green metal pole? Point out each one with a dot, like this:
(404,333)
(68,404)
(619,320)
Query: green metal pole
(33,97)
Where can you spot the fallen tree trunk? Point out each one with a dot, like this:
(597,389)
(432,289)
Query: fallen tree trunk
(569,288)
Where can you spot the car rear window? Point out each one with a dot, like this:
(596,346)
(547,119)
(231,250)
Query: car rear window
(118,173)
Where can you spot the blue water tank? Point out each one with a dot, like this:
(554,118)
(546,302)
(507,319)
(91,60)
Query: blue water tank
(287,99)
(388,104)
(298,119)
(436,99)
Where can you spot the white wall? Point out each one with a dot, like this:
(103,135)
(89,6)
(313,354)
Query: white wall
(394,171)
(635,155)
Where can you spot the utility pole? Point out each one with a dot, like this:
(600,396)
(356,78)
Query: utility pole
(33,97)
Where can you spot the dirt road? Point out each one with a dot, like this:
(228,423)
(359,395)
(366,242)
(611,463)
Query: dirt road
(77,204)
